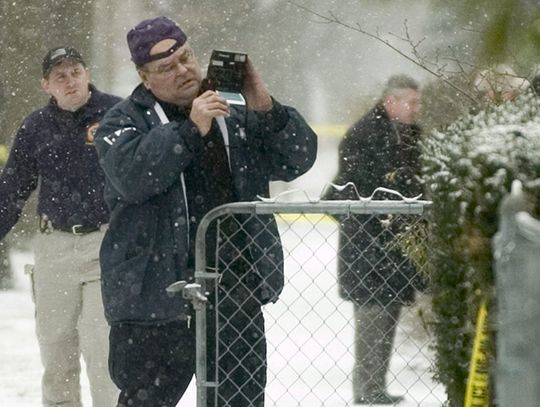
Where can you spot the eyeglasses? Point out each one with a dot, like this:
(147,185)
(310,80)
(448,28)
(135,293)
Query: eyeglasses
(167,70)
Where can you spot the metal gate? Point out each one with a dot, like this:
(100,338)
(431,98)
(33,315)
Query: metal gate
(300,349)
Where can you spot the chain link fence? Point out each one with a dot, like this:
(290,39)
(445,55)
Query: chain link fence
(347,266)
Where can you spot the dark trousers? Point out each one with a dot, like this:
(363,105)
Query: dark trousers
(375,329)
(152,365)
(241,350)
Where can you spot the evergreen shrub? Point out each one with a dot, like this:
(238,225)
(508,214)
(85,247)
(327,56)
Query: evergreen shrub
(467,169)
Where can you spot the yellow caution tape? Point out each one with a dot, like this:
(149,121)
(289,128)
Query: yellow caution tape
(329,130)
(3,154)
(477,391)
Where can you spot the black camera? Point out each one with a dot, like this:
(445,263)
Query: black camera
(225,75)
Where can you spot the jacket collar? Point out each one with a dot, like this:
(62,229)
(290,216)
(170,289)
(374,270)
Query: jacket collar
(380,112)
(142,96)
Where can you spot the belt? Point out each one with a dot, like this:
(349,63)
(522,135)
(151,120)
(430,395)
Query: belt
(77,229)
(46,226)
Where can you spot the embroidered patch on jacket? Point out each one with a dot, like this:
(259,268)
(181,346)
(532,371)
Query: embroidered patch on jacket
(111,138)
(91,133)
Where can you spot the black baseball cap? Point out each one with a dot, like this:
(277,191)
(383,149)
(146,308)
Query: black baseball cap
(57,55)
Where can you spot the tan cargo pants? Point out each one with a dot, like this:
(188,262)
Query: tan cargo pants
(70,319)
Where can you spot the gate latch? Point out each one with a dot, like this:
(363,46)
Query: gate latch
(191,292)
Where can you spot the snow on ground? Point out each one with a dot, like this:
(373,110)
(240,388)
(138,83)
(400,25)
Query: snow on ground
(309,336)
(310,331)
(20,366)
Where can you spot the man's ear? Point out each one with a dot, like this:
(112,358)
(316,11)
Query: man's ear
(386,101)
(144,78)
(45,85)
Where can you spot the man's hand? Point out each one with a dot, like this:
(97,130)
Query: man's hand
(205,107)
(255,91)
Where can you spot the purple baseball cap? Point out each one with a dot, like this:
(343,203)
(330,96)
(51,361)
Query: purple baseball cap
(148,33)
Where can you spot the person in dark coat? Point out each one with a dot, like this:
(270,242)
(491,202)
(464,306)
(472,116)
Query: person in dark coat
(380,150)
(54,152)
(171,152)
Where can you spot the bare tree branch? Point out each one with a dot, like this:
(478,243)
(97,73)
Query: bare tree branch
(331,18)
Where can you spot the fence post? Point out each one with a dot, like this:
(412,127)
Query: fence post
(517,270)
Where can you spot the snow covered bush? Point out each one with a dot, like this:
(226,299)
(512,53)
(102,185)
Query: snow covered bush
(467,169)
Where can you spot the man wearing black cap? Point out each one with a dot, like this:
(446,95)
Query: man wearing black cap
(171,152)
(54,148)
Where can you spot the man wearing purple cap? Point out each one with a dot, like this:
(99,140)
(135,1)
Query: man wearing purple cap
(54,152)
(171,152)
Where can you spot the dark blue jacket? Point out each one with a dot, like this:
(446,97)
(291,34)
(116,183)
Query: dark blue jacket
(54,146)
(146,247)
